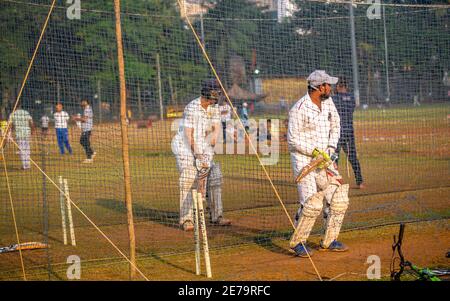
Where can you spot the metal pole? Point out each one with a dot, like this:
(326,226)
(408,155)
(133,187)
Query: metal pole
(388,93)
(161,109)
(354,56)
(58,92)
(202,30)
(45,203)
(99,95)
(125,150)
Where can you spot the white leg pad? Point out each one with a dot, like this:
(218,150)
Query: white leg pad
(215,193)
(311,209)
(338,207)
(187,183)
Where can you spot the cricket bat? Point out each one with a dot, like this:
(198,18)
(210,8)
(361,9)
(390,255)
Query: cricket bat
(23,246)
(313,165)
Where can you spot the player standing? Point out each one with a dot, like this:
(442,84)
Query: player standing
(87,122)
(225,117)
(313,131)
(44,125)
(193,147)
(62,133)
(345,105)
(23,126)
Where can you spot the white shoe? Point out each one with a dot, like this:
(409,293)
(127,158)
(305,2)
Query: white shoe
(188,226)
(88,161)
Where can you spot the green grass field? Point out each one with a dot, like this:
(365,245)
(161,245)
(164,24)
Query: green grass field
(404,154)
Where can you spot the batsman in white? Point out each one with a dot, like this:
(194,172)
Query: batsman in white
(193,147)
(313,130)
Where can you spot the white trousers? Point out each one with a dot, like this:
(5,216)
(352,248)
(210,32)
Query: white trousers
(24,152)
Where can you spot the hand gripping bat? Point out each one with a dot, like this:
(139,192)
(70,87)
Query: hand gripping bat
(319,162)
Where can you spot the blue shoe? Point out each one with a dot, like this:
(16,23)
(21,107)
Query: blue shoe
(302,250)
(335,246)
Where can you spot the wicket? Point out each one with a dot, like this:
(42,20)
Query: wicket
(196,234)
(200,217)
(64,201)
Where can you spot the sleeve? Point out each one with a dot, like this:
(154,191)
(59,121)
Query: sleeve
(189,118)
(296,134)
(335,126)
(215,116)
(66,116)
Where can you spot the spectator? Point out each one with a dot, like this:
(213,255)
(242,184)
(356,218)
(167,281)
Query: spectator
(345,105)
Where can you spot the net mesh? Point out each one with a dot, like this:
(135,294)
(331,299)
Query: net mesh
(263,51)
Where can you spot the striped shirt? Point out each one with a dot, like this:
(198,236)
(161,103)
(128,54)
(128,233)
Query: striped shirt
(87,125)
(44,121)
(21,120)
(61,119)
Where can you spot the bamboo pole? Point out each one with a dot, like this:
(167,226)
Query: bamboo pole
(125,153)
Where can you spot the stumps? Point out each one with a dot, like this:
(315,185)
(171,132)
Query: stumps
(66,208)
(199,222)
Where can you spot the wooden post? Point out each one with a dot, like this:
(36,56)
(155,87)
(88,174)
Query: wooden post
(158,66)
(124,130)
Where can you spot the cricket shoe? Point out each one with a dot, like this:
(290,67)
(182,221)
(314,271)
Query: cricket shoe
(335,246)
(221,222)
(302,250)
(187,226)
(88,161)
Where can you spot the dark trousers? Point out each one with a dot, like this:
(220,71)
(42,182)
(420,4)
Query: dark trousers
(224,131)
(347,144)
(85,141)
(62,136)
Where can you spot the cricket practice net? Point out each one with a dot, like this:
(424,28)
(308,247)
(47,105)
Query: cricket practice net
(395,58)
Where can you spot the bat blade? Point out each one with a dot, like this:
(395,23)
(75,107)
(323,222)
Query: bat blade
(23,246)
(313,165)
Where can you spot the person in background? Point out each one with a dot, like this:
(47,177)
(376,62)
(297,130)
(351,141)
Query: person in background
(23,127)
(244,116)
(44,125)
(4,136)
(87,123)
(225,116)
(344,102)
(62,133)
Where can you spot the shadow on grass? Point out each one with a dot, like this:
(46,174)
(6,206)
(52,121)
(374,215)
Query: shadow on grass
(166,218)
(239,234)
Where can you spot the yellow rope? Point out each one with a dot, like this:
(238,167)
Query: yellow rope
(213,69)
(29,68)
(83,214)
(13,214)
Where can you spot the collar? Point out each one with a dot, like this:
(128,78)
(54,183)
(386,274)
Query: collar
(309,103)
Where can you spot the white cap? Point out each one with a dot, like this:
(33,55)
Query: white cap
(319,77)
(244,104)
